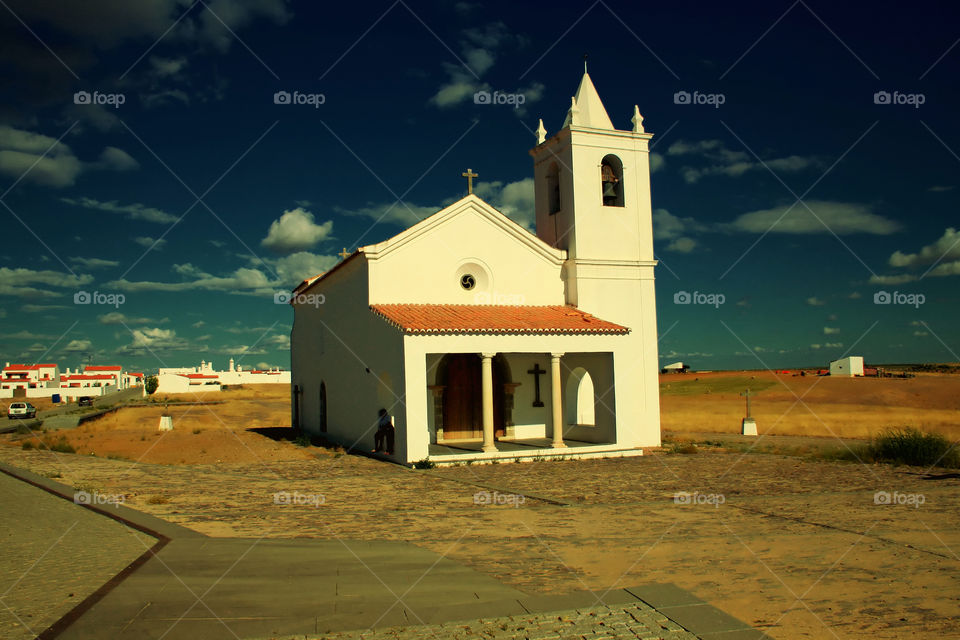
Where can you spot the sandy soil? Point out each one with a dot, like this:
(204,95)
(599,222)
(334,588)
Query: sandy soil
(811,405)
(202,433)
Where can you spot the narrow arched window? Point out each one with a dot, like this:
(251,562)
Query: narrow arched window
(611,181)
(553,188)
(580,398)
(323,407)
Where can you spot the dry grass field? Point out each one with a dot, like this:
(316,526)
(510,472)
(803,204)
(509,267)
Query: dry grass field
(789,405)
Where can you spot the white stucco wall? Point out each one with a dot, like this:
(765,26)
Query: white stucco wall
(336,343)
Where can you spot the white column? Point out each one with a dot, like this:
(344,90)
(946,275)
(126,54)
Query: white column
(557,401)
(487,378)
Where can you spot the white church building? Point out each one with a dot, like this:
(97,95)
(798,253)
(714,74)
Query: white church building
(484,341)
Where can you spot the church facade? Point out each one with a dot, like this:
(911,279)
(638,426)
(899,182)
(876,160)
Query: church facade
(483,341)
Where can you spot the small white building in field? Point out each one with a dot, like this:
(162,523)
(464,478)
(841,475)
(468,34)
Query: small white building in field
(850,366)
(484,341)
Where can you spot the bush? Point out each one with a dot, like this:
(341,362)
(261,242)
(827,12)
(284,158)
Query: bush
(62,446)
(912,447)
(150,384)
(27,445)
(302,440)
(426,463)
(684,448)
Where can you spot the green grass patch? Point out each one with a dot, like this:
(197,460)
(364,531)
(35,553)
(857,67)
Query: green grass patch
(692,385)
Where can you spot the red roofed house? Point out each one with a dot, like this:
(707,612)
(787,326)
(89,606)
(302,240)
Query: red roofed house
(29,376)
(485,341)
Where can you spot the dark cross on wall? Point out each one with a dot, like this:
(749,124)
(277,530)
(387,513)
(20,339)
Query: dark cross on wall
(537,372)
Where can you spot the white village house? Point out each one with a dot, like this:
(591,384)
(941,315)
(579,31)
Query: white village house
(205,378)
(485,341)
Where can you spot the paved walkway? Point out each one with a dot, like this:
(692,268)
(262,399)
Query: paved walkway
(54,554)
(193,586)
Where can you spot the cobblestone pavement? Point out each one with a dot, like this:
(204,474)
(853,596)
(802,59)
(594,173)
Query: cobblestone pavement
(55,557)
(798,548)
(596,623)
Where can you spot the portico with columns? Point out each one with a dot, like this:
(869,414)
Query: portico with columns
(486,342)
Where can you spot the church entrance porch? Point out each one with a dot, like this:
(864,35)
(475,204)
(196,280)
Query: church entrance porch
(520,401)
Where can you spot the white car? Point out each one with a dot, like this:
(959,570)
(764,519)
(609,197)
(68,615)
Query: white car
(21,410)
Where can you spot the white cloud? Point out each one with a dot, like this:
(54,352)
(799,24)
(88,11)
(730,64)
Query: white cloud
(19,282)
(22,151)
(148,242)
(164,67)
(115,317)
(723,161)
(682,245)
(153,339)
(667,226)
(295,230)
(657,162)
(77,346)
(514,199)
(135,211)
(93,263)
(45,161)
(841,218)
(38,308)
(920,334)
(829,331)
(399,213)
(946,247)
(892,280)
(815,302)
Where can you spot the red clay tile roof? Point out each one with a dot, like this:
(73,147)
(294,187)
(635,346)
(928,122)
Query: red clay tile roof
(462,318)
(23,367)
(103,368)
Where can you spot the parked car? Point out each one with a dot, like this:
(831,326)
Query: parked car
(21,410)
(85,401)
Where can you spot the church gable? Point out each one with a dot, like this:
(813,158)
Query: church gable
(467,253)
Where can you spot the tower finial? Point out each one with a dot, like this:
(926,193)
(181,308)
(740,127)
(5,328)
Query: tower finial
(584,63)
(541,132)
(637,120)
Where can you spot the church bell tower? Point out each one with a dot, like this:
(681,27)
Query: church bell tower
(592,185)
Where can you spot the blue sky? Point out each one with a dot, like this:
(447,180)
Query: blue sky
(806,162)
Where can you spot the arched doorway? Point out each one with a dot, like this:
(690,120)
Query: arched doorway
(460,376)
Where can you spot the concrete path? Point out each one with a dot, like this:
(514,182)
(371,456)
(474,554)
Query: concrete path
(54,554)
(191,586)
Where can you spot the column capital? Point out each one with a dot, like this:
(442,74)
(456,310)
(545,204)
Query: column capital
(557,355)
(488,355)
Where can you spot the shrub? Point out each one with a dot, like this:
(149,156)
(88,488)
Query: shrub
(27,445)
(302,440)
(426,463)
(912,447)
(62,446)
(158,499)
(684,448)
(150,384)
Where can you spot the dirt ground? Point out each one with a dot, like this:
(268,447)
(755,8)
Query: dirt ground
(785,404)
(800,548)
(202,433)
